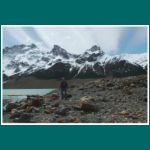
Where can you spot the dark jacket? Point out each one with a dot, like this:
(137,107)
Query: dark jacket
(63,85)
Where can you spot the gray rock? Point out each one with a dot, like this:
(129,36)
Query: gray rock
(11,106)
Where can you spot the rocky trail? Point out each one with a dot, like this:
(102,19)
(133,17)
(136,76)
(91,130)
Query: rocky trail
(105,100)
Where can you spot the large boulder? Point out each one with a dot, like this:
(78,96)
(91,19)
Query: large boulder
(23,105)
(29,109)
(87,105)
(11,106)
(54,96)
(36,101)
(15,113)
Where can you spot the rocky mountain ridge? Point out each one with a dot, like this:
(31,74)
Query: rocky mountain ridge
(29,60)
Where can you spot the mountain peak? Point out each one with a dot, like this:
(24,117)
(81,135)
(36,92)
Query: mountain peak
(95,48)
(58,51)
(57,48)
(32,46)
(18,48)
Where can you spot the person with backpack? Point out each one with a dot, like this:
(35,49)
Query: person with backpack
(63,88)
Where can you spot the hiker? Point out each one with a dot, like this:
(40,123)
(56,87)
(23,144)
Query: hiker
(63,88)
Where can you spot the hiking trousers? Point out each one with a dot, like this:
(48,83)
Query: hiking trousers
(63,93)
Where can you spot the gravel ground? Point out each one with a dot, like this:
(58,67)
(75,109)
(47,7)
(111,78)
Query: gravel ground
(109,100)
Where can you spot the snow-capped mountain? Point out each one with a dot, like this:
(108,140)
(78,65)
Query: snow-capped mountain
(21,60)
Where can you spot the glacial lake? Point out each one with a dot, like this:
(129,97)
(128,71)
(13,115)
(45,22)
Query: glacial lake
(19,94)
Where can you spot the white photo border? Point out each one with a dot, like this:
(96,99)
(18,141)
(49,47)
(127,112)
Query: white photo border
(147,123)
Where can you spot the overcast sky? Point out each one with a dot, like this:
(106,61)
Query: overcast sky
(76,39)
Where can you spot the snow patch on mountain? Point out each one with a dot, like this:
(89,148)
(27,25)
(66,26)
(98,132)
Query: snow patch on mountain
(140,59)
